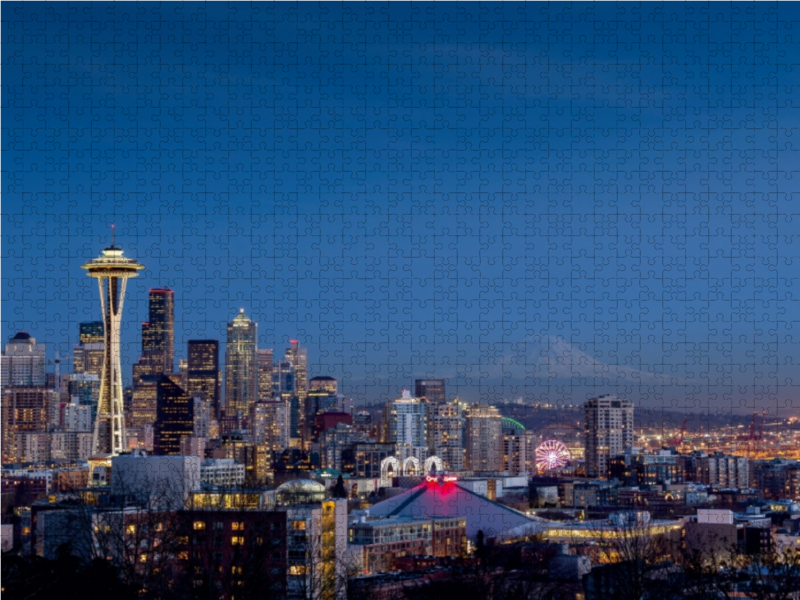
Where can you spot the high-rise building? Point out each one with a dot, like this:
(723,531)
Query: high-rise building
(284,390)
(202,372)
(445,424)
(720,470)
(158,333)
(432,390)
(112,271)
(91,332)
(144,403)
(23,362)
(484,439)
(407,421)
(88,354)
(608,423)
(77,417)
(332,442)
(323,384)
(778,478)
(516,448)
(266,366)
(175,418)
(241,365)
(183,371)
(298,357)
(322,397)
(269,424)
(84,389)
(24,410)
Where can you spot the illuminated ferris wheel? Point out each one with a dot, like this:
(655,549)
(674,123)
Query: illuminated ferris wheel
(551,454)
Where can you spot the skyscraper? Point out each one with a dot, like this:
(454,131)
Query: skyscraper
(322,397)
(285,391)
(175,418)
(241,365)
(608,422)
(112,271)
(158,333)
(202,372)
(298,357)
(24,410)
(90,332)
(407,422)
(88,354)
(323,384)
(445,423)
(433,390)
(269,424)
(266,366)
(23,362)
(484,439)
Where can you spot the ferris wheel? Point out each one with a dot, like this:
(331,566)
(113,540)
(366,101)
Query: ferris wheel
(551,454)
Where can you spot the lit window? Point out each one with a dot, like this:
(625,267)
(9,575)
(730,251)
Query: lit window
(237,526)
(297,570)
(199,525)
(143,558)
(237,541)
(130,529)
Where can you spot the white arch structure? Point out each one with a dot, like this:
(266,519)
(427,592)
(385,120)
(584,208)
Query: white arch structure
(411,466)
(389,461)
(433,461)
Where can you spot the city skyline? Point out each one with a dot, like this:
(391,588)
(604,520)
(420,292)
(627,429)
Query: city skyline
(477,222)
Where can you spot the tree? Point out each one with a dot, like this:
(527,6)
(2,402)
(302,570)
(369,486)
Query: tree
(635,559)
(339,490)
(65,576)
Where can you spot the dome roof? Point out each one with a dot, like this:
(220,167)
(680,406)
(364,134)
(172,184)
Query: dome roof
(22,335)
(308,486)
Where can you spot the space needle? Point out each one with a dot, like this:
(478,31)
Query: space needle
(112,271)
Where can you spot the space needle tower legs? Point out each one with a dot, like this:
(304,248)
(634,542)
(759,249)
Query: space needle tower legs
(112,271)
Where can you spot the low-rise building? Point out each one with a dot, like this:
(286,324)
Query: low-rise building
(222,473)
(379,542)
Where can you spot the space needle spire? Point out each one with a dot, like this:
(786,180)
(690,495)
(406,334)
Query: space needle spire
(112,271)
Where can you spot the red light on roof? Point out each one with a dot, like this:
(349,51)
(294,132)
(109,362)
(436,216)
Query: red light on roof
(161,291)
(293,342)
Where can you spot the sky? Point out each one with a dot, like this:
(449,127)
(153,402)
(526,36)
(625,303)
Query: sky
(547,200)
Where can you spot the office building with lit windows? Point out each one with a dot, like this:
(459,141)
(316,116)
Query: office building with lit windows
(269,423)
(433,390)
(608,423)
(23,362)
(266,367)
(158,333)
(298,357)
(175,417)
(24,410)
(484,439)
(87,355)
(445,433)
(406,421)
(241,365)
(202,372)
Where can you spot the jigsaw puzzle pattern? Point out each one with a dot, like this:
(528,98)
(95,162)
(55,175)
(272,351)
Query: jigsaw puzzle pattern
(547,201)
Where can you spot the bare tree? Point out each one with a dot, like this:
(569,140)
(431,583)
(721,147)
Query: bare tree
(636,558)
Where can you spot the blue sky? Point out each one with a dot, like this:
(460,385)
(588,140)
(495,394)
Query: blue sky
(542,200)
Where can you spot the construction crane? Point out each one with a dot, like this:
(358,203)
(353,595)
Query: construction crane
(56,361)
